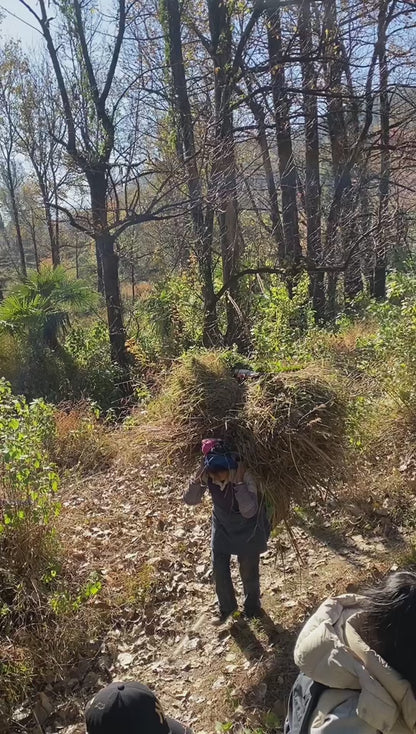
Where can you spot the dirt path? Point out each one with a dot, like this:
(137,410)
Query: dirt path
(153,555)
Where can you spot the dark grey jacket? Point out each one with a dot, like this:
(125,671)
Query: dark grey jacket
(239,524)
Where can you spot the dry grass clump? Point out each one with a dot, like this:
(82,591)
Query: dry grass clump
(81,440)
(381,480)
(291,435)
(16,674)
(288,428)
(199,398)
(46,618)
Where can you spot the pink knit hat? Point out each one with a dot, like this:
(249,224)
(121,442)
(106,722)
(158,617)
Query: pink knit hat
(208,444)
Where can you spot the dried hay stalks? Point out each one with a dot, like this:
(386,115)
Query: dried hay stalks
(291,435)
(288,428)
(199,399)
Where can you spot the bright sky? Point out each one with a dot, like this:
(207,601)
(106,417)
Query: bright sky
(14,23)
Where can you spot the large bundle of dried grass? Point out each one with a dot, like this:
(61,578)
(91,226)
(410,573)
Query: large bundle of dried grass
(291,435)
(199,398)
(288,428)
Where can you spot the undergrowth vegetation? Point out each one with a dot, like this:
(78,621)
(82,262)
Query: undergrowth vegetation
(354,381)
(44,619)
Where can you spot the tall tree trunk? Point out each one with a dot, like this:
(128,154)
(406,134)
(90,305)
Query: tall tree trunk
(76,256)
(287,168)
(277,227)
(54,243)
(331,295)
(55,253)
(90,144)
(366,220)
(312,172)
(224,164)
(133,282)
(383,223)
(100,271)
(202,223)
(35,242)
(16,220)
(104,244)
(341,216)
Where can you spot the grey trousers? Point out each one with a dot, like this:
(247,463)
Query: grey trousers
(250,576)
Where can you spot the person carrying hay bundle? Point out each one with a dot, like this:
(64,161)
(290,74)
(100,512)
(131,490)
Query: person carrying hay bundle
(239,525)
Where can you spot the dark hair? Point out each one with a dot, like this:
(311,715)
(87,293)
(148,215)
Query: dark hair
(216,470)
(389,622)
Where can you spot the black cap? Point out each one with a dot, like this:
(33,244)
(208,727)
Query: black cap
(129,708)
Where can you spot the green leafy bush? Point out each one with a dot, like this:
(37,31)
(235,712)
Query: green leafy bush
(169,318)
(45,618)
(28,548)
(39,308)
(95,376)
(28,484)
(280,325)
(28,480)
(396,351)
(34,319)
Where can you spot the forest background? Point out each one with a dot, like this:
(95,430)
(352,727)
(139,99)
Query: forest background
(205,177)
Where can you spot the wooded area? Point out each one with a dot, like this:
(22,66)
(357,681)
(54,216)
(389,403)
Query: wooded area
(207,241)
(229,140)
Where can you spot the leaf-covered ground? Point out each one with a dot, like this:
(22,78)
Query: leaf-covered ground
(153,555)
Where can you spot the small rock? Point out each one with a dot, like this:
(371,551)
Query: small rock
(72,683)
(21,715)
(192,643)
(197,699)
(230,668)
(90,681)
(125,659)
(43,708)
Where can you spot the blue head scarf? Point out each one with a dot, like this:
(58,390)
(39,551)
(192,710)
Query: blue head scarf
(218,462)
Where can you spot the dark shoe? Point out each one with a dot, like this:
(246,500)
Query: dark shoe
(255,613)
(221,617)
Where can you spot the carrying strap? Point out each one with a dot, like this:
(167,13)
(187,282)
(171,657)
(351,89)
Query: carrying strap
(303,699)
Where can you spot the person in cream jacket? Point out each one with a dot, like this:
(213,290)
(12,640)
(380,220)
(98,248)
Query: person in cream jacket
(362,649)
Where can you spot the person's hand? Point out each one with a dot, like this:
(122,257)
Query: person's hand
(200,470)
(239,475)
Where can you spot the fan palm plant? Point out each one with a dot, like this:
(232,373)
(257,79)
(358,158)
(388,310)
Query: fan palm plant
(40,307)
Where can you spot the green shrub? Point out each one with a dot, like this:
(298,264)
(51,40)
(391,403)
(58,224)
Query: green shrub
(28,547)
(169,317)
(39,309)
(281,324)
(28,480)
(95,376)
(35,316)
(28,484)
(45,618)
(396,351)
